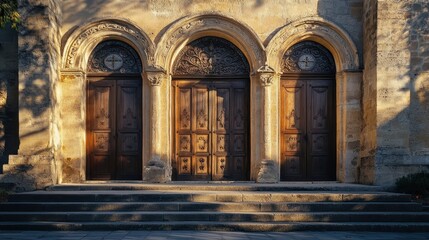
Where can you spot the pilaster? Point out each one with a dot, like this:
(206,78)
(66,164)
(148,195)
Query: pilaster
(269,167)
(158,168)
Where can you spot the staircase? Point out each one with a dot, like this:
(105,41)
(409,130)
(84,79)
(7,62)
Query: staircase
(223,207)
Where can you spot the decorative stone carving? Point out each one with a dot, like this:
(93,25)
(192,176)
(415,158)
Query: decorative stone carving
(308,57)
(211,56)
(114,56)
(318,28)
(107,26)
(192,25)
(156,77)
(266,74)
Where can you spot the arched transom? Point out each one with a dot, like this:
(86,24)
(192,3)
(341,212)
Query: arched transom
(211,56)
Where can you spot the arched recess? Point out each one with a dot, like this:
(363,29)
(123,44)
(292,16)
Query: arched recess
(114,113)
(348,80)
(70,111)
(211,112)
(190,28)
(85,38)
(319,30)
(176,38)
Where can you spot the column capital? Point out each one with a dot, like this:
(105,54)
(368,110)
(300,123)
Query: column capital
(155,76)
(266,75)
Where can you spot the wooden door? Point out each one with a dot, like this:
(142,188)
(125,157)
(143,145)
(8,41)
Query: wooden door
(211,127)
(307,130)
(114,129)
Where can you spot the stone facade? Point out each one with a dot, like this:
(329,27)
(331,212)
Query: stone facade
(380,50)
(394,139)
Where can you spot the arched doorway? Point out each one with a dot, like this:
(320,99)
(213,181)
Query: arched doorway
(113,113)
(307,114)
(211,112)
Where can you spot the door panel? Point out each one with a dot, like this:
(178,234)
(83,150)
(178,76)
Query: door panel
(214,146)
(101,124)
(114,129)
(293,130)
(307,130)
(320,129)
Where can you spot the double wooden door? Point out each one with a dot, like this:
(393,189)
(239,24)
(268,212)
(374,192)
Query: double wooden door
(114,129)
(211,129)
(307,129)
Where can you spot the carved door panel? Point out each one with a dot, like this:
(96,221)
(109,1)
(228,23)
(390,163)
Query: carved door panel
(293,130)
(128,146)
(101,126)
(211,130)
(307,130)
(114,129)
(230,131)
(320,130)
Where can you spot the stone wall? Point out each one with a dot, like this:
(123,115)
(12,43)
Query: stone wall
(265,17)
(392,45)
(39,56)
(395,127)
(369,92)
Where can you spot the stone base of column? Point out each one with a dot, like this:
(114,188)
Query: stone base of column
(268,172)
(156,171)
(28,173)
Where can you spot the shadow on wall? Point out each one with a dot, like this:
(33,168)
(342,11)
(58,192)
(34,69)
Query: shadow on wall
(8,95)
(37,58)
(405,135)
(402,95)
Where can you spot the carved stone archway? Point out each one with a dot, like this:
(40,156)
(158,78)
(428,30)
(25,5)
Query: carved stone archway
(83,40)
(71,89)
(193,27)
(328,34)
(172,42)
(348,83)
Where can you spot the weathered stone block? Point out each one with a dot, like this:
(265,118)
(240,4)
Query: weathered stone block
(268,172)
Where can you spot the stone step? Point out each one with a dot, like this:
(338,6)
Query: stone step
(205,196)
(216,216)
(217,186)
(219,226)
(212,206)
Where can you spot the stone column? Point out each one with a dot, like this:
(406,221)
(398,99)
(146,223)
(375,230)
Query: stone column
(268,172)
(156,169)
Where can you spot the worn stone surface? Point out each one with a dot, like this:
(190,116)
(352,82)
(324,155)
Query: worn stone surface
(381,129)
(156,171)
(394,142)
(39,53)
(268,172)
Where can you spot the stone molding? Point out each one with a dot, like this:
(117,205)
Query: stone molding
(193,27)
(156,76)
(317,29)
(85,38)
(266,75)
